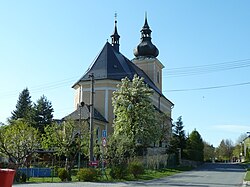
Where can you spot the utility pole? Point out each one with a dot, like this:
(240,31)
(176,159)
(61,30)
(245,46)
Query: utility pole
(91,124)
(80,105)
(79,148)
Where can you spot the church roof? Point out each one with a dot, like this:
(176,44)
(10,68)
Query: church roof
(85,114)
(111,64)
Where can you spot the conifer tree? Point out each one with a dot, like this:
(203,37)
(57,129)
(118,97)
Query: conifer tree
(43,113)
(24,108)
(179,138)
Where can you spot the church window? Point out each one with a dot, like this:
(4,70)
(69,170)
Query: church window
(160,143)
(97,133)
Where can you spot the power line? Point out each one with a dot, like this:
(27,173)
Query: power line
(173,72)
(207,88)
(41,87)
(208,68)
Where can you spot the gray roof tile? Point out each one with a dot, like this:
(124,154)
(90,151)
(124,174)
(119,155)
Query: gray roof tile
(111,64)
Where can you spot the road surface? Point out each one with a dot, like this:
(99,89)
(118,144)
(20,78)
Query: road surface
(208,175)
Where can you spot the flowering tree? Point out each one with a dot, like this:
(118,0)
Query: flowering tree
(135,122)
(18,141)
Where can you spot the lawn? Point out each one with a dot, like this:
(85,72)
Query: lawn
(246,165)
(247,176)
(148,175)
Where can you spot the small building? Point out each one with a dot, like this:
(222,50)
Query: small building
(246,146)
(108,68)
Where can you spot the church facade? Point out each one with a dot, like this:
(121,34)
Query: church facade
(108,68)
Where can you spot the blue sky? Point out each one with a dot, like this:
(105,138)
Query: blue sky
(47,45)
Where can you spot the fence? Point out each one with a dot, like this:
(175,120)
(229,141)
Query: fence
(157,161)
(36,172)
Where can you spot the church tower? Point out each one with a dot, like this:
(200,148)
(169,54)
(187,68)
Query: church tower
(145,56)
(115,37)
(109,67)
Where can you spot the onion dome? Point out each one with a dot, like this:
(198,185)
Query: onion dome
(146,48)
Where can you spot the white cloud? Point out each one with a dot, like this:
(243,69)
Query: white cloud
(233,128)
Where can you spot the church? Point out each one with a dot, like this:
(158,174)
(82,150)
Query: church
(107,70)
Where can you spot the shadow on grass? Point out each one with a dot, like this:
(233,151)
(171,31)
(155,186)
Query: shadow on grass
(156,174)
(148,175)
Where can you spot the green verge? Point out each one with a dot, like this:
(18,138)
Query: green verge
(246,166)
(148,175)
(156,174)
(247,176)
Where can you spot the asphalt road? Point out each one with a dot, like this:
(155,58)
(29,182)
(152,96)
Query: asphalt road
(209,175)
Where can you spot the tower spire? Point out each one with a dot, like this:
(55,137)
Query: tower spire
(146,48)
(115,36)
(146,31)
(146,21)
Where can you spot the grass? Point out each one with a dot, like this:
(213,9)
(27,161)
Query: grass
(148,175)
(156,174)
(247,176)
(43,179)
(151,174)
(246,165)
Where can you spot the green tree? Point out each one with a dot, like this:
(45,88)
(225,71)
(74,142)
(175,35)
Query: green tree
(135,120)
(43,113)
(24,108)
(209,152)
(18,141)
(247,158)
(195,146)
(66,141)
(225,150)
(178,140)
(237,151)
(119,149)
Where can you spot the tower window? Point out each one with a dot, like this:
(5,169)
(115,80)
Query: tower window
(158,77)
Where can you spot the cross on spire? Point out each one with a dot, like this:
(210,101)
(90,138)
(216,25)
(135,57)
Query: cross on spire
(115,17)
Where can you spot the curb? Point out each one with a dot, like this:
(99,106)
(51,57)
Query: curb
(245,183)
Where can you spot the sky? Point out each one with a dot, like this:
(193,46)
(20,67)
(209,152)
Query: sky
(47,45)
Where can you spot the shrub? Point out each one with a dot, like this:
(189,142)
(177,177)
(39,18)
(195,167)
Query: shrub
(23,177)
(17,176)
(118,172)
(20,177)
(55,171)
(136,168)
(62,174)
(74,172)
(88,174)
